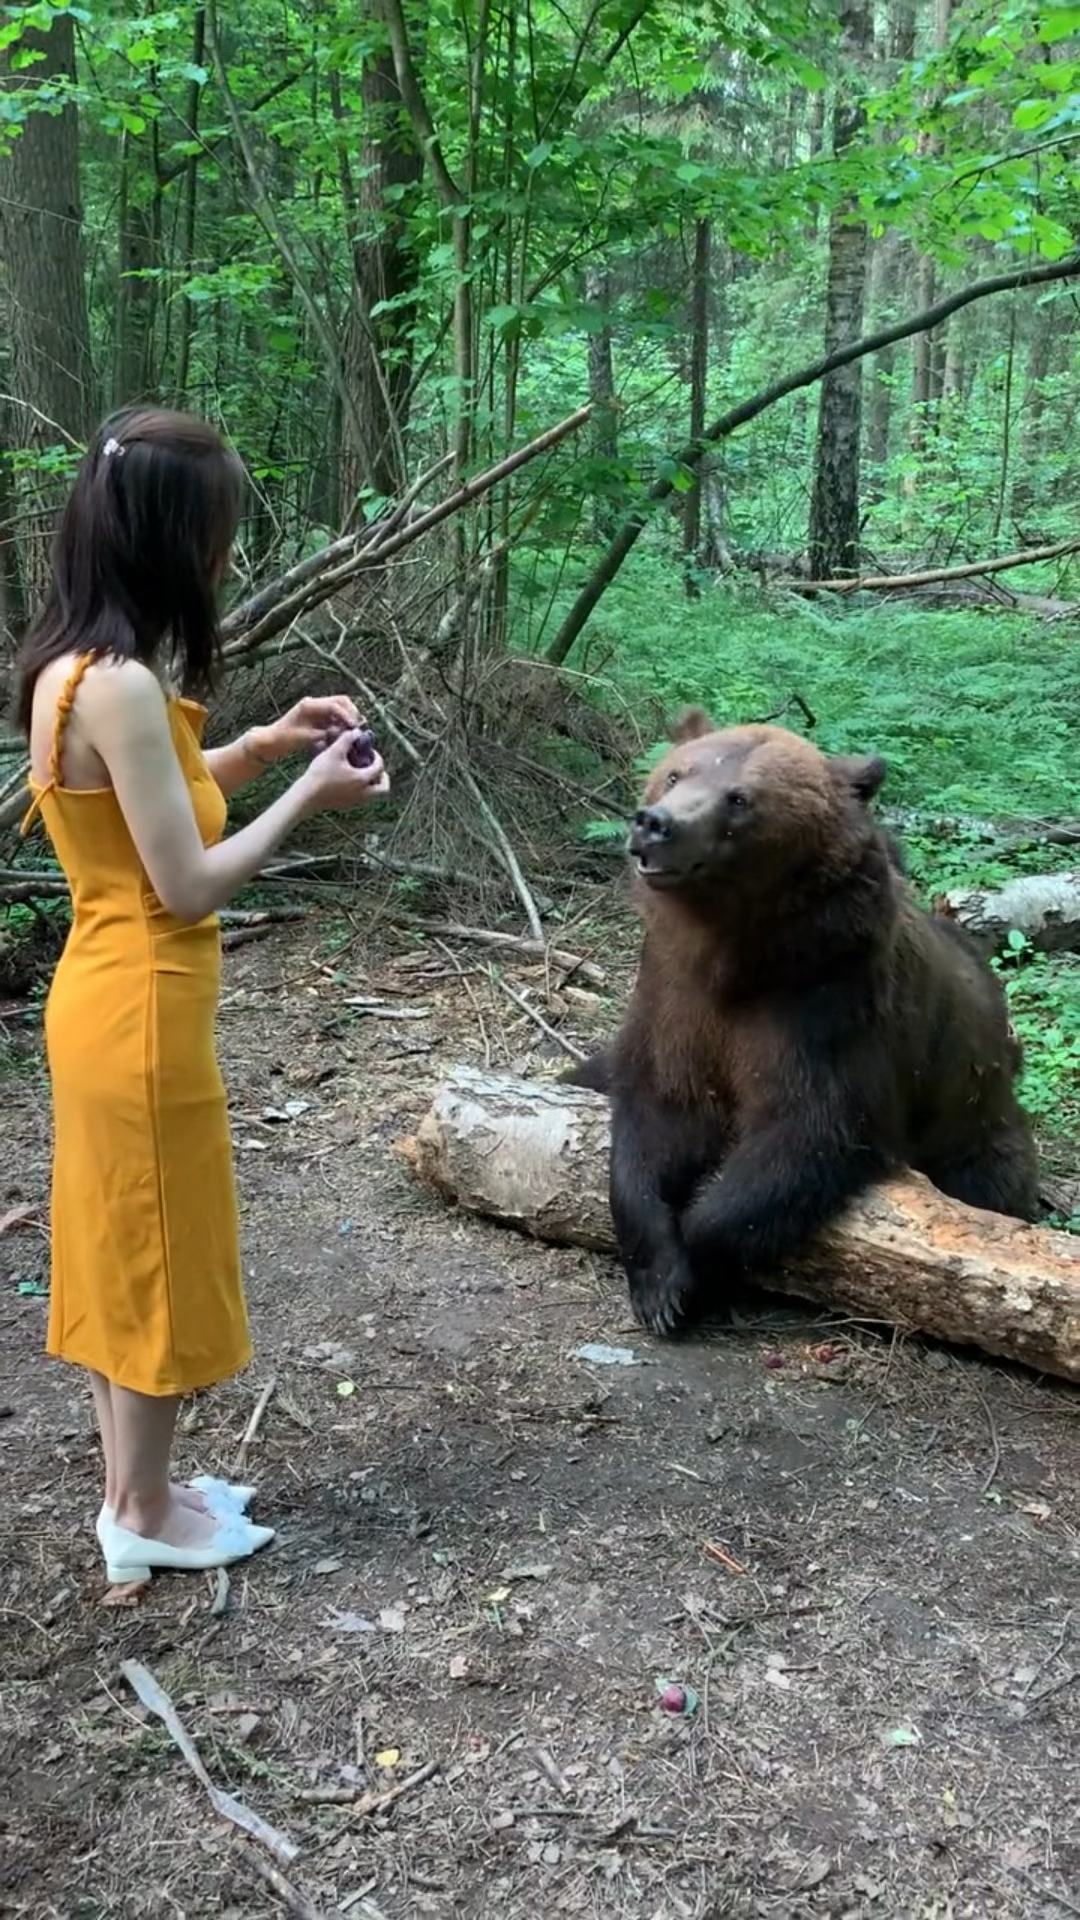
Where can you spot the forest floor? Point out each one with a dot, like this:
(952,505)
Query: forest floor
(491,1553)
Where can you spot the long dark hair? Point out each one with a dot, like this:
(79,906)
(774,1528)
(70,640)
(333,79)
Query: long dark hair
(139,551)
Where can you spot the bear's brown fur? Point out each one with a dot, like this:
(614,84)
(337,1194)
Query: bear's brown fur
(799,1027)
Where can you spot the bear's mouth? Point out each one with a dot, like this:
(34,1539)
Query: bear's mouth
(660,873)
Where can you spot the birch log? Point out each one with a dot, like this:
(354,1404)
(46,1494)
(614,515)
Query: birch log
(1044,907)
(535,1157)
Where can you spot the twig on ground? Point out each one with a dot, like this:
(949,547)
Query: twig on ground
(570,963)
(724,1559)
(253,1424)
(558,1780)
(372,1802)
(1050,1658)
(995,1443)
(157,1701)
(568,1046)
(295,1902)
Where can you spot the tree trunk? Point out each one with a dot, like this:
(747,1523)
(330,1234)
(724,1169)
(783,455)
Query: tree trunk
(134,313)
(922,385)
(884,289)
(191,201)
(1026,489)
(378,344)
(535,1157)
(699,370)
(834,506)
(605,444)
(894,48)
(41,247)
(41,257)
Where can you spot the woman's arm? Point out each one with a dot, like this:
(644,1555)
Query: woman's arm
(125,720)
(242,761)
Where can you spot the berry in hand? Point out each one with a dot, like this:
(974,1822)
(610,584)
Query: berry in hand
(362,750)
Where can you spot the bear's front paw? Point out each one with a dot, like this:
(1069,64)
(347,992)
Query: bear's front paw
(660,1294)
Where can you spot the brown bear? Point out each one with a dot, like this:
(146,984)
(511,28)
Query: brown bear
(799,1027)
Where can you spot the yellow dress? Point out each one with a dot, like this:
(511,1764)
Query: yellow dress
(146,1280)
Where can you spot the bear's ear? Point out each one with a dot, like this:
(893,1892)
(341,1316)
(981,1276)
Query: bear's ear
(692,724)
(861,773)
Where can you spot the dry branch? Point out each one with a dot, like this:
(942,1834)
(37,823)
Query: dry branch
(244,630)
(899,582)
(535,1157)
(1044,907)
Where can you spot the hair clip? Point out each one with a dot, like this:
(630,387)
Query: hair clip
(111,446)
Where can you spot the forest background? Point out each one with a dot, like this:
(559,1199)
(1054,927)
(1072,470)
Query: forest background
(570,349)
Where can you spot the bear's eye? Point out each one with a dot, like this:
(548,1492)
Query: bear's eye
(673,779)
(737,799)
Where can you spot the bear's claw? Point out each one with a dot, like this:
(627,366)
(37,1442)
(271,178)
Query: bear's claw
(658,1300)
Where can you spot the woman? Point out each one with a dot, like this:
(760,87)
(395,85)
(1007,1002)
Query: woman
(146,1283)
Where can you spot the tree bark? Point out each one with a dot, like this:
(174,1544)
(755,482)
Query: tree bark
(834,506)
(602,397)
(884,287)
(456,209)
(137,232)
(378,344)
(922,385)
(699,372)
(41,247)
(535,1158)
(191,201)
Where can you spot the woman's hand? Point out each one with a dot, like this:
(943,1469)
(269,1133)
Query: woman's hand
(307,728)
(332,783)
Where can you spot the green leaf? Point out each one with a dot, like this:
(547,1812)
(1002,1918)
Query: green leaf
(504,319)
(539,154)
(1031,114)
(1061,23)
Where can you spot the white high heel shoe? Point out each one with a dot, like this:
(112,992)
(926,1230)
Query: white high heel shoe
(130,1558)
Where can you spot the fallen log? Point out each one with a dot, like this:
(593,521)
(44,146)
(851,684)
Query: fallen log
(929,576)
(1043,907)
(535,1157)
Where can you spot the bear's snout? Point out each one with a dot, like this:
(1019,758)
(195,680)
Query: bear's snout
(650,825)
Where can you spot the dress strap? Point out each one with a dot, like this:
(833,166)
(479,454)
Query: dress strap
(63,714)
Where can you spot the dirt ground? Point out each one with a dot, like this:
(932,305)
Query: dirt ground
(492,1555)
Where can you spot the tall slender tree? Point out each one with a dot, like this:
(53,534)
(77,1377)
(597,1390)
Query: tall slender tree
(834,505)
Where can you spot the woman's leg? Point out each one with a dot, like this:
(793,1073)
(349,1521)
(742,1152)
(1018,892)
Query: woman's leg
(102,1392)
(145,1502)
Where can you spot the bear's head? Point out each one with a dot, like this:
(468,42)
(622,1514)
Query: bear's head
(746,807)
